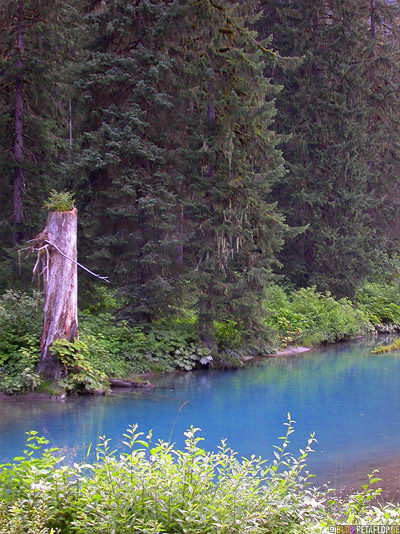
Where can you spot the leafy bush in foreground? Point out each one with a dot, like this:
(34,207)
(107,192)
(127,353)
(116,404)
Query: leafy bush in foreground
(156,489)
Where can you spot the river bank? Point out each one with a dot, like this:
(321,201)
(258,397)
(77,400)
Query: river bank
(137,381)
(109,347)
(146,380)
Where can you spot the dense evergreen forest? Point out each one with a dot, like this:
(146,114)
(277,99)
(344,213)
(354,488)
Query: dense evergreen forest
(234,166)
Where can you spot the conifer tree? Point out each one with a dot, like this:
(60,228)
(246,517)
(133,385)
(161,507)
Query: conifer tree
(37,39)
(229,161)
(180,155)
(325,108)
(125,154)
(381,42)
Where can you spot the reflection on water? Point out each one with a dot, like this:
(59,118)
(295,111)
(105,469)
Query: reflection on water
(347,396)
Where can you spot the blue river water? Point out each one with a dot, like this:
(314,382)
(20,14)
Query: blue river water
(347,396)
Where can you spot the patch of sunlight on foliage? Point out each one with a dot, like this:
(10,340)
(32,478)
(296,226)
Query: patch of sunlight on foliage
(310,317)
(380,302)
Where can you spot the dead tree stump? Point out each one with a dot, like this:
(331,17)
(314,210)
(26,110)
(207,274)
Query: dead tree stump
(57,246)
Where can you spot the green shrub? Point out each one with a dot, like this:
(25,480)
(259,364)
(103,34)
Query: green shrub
(387,269)
(60,201)
(173,344)
(381,349)
(118,349)
(80,375)
(229,358)
(170,334)
(155,488)
(35,474)
(307,316)
(20,328)
(113,347)
(380,302)
(227,334)
(100,298)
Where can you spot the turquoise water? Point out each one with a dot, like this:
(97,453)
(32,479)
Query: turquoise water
(348,397)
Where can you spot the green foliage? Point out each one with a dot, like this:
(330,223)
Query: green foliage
(60,201)
(334,155)
(19,314)
(309,317)
(174,344)
(118,349)
(51,40)
(227,334)
(129,201)
(22,483)
(20,326)
(155,488)
(380,302)
(381,349)
(19,375)
(113,347)
(173,150)
(194,145)
(387,269)
(228,119)
(230,358)
(13,477)
(81,376)
(101,299)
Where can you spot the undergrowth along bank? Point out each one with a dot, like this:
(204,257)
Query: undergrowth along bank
(113,348)
(156,488)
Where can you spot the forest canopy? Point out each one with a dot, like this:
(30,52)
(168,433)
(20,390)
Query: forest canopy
(214,149)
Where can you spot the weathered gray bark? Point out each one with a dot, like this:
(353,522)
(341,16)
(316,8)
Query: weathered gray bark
(58,248)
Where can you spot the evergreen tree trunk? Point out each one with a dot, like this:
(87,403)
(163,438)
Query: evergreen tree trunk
(60,284)
(19,183)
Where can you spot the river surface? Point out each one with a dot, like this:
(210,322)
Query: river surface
(347,396)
